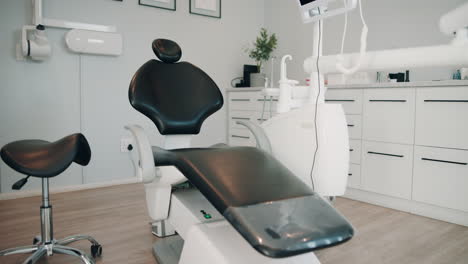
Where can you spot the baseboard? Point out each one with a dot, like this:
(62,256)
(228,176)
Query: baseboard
(62,189)
(410,206)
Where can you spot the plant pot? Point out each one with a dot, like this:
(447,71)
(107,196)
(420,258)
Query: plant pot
(257,80)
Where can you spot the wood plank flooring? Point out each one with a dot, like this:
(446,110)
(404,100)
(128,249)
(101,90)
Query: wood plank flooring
(117,218)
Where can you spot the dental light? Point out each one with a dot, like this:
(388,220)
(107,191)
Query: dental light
(310,9)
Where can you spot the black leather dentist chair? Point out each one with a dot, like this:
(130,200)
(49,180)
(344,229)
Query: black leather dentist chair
(271,208)
(42,159)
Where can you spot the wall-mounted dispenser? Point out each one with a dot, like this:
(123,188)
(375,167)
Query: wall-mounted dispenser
(34,43)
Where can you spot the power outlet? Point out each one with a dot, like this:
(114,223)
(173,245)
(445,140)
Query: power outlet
(124,143)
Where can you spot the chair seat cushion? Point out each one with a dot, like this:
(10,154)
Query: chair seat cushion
(45,159)
(234,176)
(277,213)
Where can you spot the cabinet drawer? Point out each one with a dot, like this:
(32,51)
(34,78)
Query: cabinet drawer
(264,104)
(354,176)
(350,99)
(241,137)
(389,115)
(235,116)
(441,177)
(354,126)
(387,168)
(242,101)
(355,151)
(441,117)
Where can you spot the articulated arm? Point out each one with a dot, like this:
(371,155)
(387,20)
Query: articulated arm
(261,138)
(142,156)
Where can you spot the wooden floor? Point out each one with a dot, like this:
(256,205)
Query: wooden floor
(117,218)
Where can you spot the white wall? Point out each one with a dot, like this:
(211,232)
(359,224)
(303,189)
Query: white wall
(392,24)
(71,93)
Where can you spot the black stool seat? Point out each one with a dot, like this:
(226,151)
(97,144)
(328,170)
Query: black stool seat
(45,159)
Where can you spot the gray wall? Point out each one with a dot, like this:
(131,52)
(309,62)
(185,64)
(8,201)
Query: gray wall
(392,24)
(71,93)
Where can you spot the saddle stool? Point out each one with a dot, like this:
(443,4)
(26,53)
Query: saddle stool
(43,159)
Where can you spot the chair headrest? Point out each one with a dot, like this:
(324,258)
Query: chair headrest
(167,50)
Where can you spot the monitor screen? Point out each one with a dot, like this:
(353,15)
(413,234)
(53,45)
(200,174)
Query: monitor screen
(305,2)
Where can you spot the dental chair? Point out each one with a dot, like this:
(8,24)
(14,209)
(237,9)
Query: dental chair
(219,204)
(43,159)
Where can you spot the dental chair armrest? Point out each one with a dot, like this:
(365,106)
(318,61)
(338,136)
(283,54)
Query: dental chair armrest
(261,138)
(142,154)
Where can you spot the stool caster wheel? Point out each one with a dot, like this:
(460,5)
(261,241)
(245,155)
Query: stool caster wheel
(36,240)
(96,250)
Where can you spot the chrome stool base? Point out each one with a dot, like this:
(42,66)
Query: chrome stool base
(45,244)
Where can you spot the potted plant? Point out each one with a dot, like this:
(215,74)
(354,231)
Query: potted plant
(264,45)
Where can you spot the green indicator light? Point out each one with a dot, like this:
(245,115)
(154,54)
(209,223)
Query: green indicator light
(207,216)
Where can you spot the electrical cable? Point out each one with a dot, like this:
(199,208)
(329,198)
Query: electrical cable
(362,49)
(237,78)
(316,104)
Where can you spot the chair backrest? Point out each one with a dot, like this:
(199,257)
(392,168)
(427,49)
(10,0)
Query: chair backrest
(177,97)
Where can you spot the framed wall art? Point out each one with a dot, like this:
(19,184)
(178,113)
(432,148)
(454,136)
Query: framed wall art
(164,4)
(210,8)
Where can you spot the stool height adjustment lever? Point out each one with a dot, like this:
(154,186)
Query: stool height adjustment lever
(19,184)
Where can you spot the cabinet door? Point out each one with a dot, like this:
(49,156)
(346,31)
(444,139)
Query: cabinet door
(387,168)
(355,151)
(441,177)
(354,126)
(350,99)
(441,117)
(354,176)
(389,115)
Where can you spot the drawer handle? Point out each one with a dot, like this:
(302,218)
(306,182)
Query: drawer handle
(268,100)
(338,100)
(240,100)
(236,136)
(350,174)
(350,125)
(446,161)
(385,154)
(240,118)
(446,101)
(389,101)
(351,149)
(262,119)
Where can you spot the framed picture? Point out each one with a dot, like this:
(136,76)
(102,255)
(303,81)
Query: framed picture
(164,4)
(211,8)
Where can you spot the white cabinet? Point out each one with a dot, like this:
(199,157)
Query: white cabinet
(407,144)
(389,115)
(350,99)
(441,177)
(387,168)
(248,105)
(441,117)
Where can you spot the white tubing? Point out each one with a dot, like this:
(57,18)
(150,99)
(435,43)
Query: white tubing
(362,50)
(408,58)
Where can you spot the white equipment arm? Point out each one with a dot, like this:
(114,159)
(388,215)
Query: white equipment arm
(144,162)
(444,55)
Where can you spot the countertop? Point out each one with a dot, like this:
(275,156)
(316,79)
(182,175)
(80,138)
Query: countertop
(448,83)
